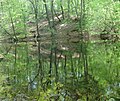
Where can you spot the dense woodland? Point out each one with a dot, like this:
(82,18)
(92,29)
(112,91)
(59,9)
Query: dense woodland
(60,50)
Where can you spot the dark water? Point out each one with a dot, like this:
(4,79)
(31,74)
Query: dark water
(81,69)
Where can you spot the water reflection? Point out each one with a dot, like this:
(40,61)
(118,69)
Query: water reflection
(75,65)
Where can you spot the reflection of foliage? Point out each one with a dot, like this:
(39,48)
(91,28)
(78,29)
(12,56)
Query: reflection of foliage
(5,89)
(79,89)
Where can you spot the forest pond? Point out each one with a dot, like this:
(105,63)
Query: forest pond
(61,70)
(59,50)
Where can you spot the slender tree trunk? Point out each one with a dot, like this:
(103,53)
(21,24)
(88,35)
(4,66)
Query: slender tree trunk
(61,6)
(84,45)
(24,21)
(13,27)
(35,8)
(52,29)
(68,9)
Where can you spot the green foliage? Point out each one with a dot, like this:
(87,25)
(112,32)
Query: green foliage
(27,74)
(5,89)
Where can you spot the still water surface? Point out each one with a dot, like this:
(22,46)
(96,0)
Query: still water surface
(72,64)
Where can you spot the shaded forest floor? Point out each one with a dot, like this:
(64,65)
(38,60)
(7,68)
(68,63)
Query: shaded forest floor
(67,36)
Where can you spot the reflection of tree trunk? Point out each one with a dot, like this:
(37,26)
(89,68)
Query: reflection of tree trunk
(86,70)
(51,60)
(15,62)
(56,66)
(65,73)
(85,65)
(65,63)
(39,62)
(72,69)
(27,63)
